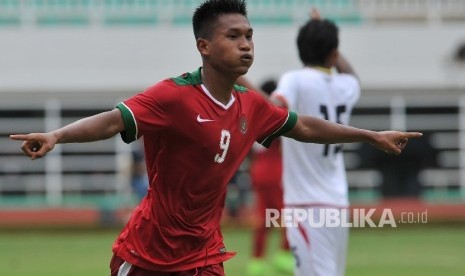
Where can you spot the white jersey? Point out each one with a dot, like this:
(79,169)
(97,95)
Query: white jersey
(315,173)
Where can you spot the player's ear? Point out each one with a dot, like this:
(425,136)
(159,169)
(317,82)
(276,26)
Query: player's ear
(202,46)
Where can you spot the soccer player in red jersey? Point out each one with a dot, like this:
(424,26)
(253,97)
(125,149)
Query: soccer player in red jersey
(197,129)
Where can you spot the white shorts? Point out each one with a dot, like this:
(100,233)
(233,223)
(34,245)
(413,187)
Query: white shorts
(319,251)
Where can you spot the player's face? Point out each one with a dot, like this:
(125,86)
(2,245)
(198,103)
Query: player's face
(231,45)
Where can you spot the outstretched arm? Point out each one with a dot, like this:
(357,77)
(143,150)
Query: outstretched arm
(98,127)
(314,130)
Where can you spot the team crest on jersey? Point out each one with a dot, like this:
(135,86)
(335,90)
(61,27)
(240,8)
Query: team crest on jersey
(243,124)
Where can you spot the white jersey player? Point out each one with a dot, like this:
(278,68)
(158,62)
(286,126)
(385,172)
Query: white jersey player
(314,175)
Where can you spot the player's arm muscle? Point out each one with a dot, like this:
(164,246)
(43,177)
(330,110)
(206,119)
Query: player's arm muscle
(314,130)
(98,127)
(94,128)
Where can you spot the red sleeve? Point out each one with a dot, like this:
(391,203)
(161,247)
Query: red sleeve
(149,111)
(273,121)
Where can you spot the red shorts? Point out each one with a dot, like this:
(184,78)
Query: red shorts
(119,267)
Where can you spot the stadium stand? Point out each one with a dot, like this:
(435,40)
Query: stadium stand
(96,174)
(430,168)
(76,172)
(178,12)
(73,174)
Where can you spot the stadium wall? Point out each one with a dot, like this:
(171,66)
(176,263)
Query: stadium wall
(96,67)
(126,60)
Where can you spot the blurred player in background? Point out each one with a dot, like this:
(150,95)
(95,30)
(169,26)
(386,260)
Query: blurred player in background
(314,176)
(266,175)
(139,179)
(197,130)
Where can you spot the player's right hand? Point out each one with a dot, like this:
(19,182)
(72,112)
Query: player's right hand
(36,145)
(393,142)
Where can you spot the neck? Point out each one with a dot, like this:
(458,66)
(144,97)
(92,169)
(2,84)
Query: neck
(218,84)
(324,69)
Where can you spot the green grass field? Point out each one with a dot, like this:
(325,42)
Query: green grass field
(424,251)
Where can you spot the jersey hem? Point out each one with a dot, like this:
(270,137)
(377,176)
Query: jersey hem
(128,257)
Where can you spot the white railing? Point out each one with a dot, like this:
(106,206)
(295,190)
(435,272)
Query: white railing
(444,126)
(429,11)
(101,168)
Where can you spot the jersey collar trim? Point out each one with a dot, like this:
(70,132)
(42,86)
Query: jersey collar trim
(227,106)
(322,69)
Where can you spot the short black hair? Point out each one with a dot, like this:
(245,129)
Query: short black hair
(460,53)
(269,86)
(210,10)
(316,40)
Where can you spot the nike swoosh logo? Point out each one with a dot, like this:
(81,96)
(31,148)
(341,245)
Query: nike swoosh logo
(200,120)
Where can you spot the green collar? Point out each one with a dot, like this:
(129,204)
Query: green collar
(195,78)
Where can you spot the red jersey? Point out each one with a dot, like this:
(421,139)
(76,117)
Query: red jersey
(193,146)
(266,165)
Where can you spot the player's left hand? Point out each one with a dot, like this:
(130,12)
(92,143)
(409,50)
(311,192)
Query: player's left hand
(393,142)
